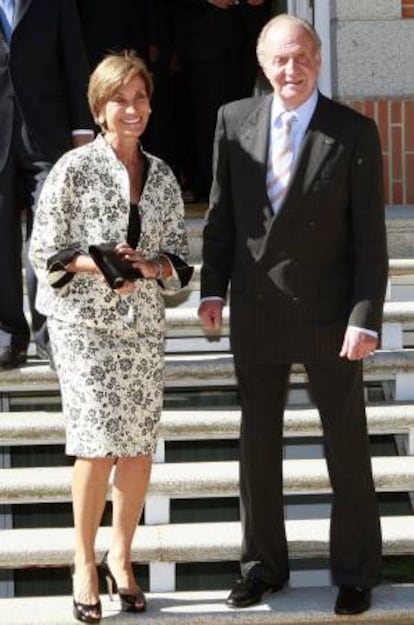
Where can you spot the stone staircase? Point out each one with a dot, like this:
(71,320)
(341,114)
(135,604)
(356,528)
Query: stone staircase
(202,366)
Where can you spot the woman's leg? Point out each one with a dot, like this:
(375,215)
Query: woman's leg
(128,495)
(89,487)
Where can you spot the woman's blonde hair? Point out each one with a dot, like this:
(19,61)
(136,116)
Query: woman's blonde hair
(114,71)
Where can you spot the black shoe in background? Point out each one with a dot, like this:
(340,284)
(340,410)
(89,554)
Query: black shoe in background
(11,358)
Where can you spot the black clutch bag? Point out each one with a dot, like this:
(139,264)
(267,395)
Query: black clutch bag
(114,268)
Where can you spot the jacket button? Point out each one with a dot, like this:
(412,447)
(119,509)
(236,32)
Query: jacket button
(295,300)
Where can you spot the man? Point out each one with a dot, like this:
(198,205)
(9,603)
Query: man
(43,112)
(296,223)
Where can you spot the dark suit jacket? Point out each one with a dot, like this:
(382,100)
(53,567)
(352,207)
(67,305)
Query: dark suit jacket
(204,32)
(298,278)
(45,73)
(113,25)
(201,31)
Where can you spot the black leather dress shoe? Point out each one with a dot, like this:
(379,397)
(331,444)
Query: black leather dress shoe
(352,600)
(249,591)
(11,358)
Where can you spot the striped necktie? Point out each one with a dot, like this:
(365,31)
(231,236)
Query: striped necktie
(280,160)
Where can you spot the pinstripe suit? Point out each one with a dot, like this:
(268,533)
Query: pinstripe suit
(297,280)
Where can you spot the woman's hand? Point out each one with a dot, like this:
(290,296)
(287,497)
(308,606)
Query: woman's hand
(127,287)
(82,263)
(150,268)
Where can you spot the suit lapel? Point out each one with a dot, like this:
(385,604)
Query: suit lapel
(316,147)
(254,134)
(254,142)
(21,9)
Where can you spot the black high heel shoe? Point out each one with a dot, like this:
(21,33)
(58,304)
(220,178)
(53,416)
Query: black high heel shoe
(135,602)
(86,612)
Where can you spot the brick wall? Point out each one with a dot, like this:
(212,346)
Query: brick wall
(407,8)
(395,120)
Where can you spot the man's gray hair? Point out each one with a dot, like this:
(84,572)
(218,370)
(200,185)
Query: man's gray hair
(279,19)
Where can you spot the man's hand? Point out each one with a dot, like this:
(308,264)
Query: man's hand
(357,344)
(210,314)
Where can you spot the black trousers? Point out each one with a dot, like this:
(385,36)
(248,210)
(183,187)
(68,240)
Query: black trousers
(209,84)
(21,180)
(355,537)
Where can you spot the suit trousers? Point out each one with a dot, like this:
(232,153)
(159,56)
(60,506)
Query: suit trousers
(21,180)
(336,387)
(209,84)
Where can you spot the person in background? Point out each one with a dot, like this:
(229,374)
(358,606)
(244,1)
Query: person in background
(113,25)
(296,224)
(214,42)
(108,343)
(43,112)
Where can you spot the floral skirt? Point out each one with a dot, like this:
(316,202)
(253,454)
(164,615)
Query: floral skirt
(112,389)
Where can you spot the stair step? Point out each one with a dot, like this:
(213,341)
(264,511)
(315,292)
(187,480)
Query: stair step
(397,267)
(40,428)
(204,370)
(201,479)
(292,606)
(401,266)
(186,542)
(185,321)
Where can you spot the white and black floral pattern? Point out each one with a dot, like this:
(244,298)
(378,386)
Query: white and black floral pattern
(108,348)
(112,389)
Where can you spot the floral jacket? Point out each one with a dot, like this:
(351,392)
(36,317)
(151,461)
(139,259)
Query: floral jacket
(85,201)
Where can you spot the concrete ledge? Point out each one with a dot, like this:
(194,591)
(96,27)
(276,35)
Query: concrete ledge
(397,267)
(46,428)
(184,322)
(203,370)
(292,606)
(186,542)
(201,479)
(401,267)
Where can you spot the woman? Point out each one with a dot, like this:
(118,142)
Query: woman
(108,343)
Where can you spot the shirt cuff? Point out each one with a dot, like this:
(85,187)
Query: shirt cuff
(365,331)
(212,298)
